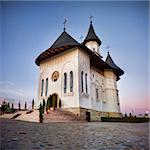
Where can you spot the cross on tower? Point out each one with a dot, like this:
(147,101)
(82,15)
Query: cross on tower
(91,17)
(81,37)
(64,23)
(108,47)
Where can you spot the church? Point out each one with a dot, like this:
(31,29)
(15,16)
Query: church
(77,77)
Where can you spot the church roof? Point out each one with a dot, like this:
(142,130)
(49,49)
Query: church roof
(64,39)
(91,36)
(111,63)
(65,42)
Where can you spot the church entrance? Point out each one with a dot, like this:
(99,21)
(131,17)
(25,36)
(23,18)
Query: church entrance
(55,101)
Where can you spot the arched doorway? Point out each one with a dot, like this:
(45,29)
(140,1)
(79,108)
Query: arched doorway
(55,101)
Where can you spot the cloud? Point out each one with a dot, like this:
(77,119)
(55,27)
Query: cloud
(11,92)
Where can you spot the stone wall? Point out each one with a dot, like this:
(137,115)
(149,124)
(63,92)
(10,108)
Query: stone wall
(94,115)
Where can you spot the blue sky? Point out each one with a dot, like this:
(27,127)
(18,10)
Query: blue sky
(29,28)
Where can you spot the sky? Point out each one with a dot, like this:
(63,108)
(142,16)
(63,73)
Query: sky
(29,28)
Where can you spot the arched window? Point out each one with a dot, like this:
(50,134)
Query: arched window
(82,81)
(46,87)
(42,87)
(97,95)
(86,88)
(71,81)
(65,82)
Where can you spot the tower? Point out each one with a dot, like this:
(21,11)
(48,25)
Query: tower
(111,90)
(91,40)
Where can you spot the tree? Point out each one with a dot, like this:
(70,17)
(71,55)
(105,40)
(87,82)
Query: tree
(41,113)
(50,99)
(12,106)
(48,102)
(59,103)
(8,105)
(33,104)
(130,115)
(44,104)
(4,107)
(25,106)
(125,115)
(19,105)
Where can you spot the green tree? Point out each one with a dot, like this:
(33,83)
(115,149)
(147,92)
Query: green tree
(41,113)
(44,104)
(25,106)
(33,104)
(48,102)
(8,105)
(50,99)
(4,107)
(12,106)
(19,105)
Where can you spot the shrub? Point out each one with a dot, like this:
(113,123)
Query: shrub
(41,113)
(33,104)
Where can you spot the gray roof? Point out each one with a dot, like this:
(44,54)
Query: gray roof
(111,63)
(91,36)
(63,40)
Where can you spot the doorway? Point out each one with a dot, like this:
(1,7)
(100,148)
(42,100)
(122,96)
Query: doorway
(88,116)
(55,101)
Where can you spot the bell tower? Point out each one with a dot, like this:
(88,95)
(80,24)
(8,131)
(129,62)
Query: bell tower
(92,41)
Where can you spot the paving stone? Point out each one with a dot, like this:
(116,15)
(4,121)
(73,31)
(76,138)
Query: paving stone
(74,136)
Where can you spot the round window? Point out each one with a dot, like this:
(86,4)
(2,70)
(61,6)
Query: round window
(55,76)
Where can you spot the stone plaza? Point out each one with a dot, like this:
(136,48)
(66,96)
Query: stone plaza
(74,135)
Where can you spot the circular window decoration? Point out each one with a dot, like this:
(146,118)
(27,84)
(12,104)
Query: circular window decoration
(55,76)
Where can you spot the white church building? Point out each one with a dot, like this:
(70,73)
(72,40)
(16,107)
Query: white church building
(77,77)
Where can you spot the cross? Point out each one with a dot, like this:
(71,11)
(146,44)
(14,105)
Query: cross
(91,17)
(81,37)
(65,21)
(108,47)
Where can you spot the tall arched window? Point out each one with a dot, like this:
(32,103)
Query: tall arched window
(65,82)
(82,81)
(71,81)
(42,87)
(86,88)
(46,87)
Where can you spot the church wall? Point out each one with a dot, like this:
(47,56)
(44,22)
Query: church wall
(84,65)
(112,99)
(93,45)
(97,83)
(65,62)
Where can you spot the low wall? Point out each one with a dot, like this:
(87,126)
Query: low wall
(94,115)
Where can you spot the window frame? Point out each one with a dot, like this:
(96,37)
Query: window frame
(65,82)
(42,87)
(46,87)
(86,87)
(82,86)
(71,81)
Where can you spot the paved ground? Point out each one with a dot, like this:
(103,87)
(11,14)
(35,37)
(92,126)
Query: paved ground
(74,136)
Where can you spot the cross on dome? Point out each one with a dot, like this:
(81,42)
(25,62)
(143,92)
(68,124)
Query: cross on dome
(91,17)
(108,47)
(81,37)
(64,23)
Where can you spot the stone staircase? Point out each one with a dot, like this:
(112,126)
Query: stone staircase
(59,115)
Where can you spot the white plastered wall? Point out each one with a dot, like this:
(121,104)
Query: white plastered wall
(93,45)
(84,65)
(65,62)
(97,81)
(111,92)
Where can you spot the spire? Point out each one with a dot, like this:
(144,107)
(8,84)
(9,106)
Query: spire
(63,40)
(111,63)
(108,47)
(91,36)
(64,23)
